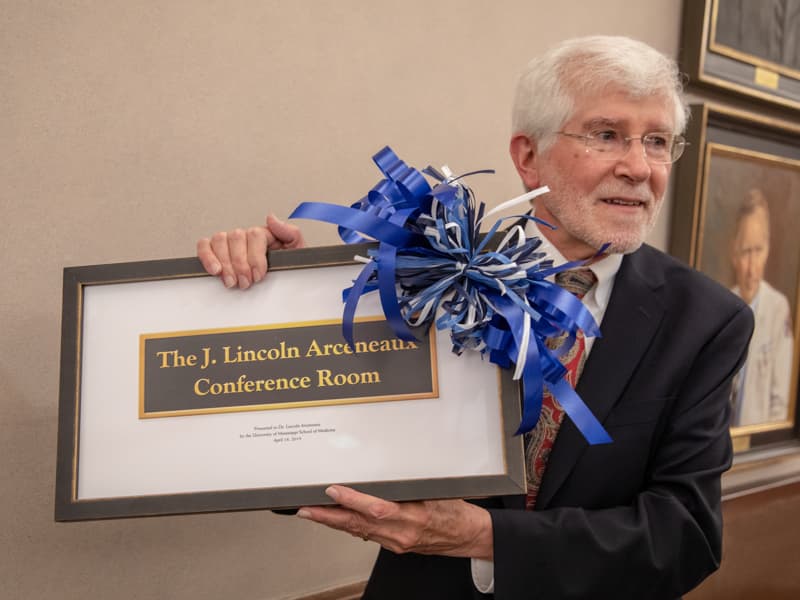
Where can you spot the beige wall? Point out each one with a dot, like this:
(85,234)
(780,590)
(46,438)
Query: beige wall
(130,128)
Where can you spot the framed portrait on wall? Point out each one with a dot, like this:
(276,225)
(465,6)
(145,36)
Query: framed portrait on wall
(737,200)
(750,47)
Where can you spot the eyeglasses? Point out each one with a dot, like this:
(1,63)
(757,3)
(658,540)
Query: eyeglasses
(608,144)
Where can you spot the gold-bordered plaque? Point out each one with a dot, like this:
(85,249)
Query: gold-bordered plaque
(179,396)
(737,194)
(749,48)
(280,366)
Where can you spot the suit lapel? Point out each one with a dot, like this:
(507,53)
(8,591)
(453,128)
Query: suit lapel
(632,318)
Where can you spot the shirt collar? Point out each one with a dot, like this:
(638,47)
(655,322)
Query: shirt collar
(605,269)
(754,302)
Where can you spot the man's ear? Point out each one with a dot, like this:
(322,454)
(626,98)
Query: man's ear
(524,155)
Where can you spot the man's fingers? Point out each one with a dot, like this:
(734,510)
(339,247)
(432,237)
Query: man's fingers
(257,252)
(359,514)
(363,517)
(237,246)
(285,235)
(219,246)
(337,518)
(446,527)
(365,504)
(238,257)
(207,257)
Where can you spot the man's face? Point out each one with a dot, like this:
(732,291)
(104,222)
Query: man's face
(593,200)
(750,252)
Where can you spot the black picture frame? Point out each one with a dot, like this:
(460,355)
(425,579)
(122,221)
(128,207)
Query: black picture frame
(719,52)
(732,152)
(70,506)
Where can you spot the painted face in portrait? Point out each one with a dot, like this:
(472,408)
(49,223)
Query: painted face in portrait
(750,253)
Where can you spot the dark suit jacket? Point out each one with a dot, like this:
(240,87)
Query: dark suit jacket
(638,518)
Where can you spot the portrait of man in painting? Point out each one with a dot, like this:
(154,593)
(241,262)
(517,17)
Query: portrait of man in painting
(761,388)
(766,29)
(748,247)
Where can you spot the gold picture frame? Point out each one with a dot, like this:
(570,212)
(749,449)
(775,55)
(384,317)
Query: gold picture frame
(736,161)
(755,54)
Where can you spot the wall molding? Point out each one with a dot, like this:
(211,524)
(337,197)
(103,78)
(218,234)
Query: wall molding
(761,470)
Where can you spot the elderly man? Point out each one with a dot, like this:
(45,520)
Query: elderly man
(598,120)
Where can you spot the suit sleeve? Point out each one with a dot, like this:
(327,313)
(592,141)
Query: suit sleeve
(669,536)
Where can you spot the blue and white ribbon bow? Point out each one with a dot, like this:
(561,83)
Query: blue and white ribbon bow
(432,265)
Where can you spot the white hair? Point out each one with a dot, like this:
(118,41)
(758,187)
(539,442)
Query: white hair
(548,88)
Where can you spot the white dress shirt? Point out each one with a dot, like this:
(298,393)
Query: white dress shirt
(764,382)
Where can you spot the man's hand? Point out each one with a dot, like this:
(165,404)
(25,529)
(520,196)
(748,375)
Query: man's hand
(239,257)
(444,527)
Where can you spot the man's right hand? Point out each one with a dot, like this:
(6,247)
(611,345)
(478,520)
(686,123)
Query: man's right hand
(239,257)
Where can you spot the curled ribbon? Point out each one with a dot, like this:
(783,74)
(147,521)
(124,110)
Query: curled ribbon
(432,265)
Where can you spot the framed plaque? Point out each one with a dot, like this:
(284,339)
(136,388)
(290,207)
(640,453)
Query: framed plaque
(749,48)
(180,396)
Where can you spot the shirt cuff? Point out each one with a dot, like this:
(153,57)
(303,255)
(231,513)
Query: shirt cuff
(483,575)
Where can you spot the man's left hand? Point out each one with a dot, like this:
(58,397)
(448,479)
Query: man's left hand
(444,527)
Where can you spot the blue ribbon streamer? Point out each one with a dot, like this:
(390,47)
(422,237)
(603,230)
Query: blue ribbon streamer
(372,225)
(430,260)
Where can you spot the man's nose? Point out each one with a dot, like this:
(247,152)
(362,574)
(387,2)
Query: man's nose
(634,165)
(749,263)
